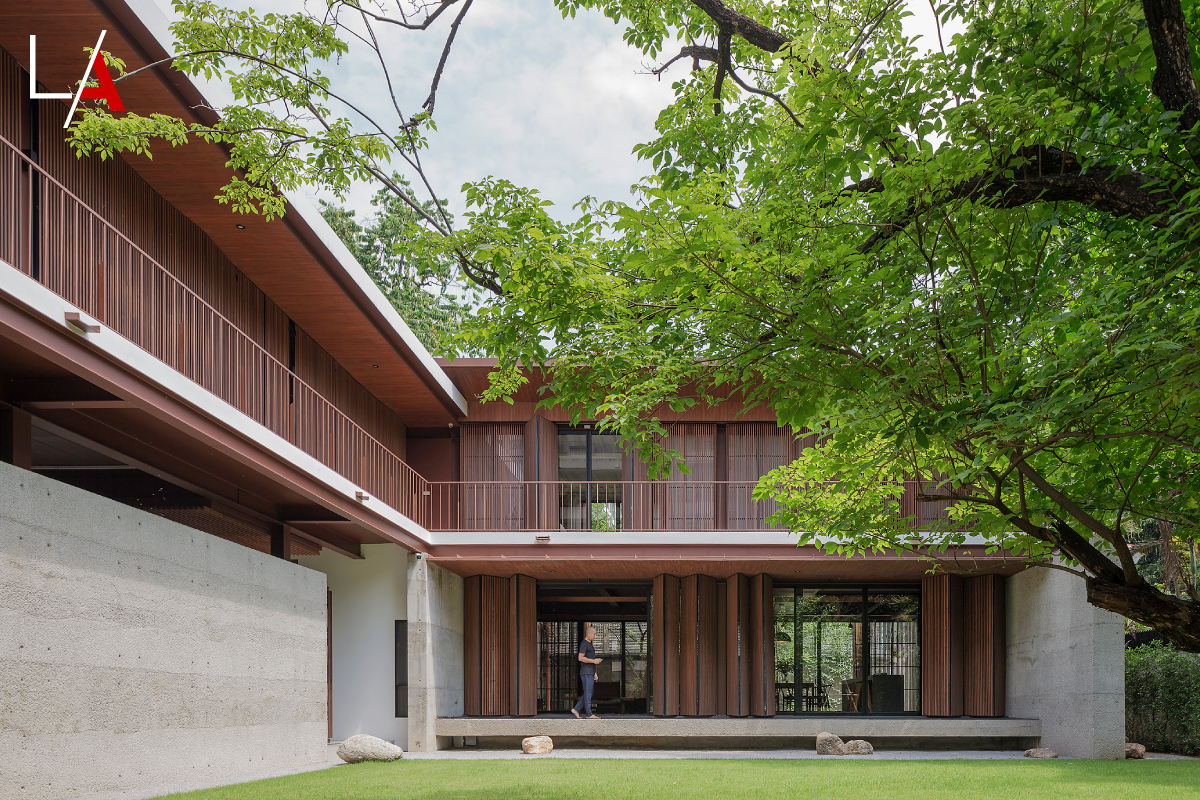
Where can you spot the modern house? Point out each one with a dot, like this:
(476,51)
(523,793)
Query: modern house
(244,513)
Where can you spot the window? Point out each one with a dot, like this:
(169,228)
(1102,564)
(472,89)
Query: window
(589,474)
(827,640)
(401,668)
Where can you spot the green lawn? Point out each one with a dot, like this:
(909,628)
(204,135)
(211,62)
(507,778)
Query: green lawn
(612,779)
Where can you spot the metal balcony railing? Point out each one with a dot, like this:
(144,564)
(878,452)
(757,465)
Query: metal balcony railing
(621,506)
(80,256)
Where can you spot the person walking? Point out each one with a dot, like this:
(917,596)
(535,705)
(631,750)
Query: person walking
(587,673)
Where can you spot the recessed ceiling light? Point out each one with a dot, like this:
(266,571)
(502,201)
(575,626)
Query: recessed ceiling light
(241,227)
(376,366)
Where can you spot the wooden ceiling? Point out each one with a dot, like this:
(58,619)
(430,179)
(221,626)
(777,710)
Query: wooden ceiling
(285,258)
(579,563)
(470,375)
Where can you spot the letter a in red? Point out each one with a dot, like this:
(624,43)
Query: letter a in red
(107,90)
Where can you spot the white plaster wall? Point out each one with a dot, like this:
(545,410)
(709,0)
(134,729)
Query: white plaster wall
(369,595)
(137,652)
(435,651)
(1066,664)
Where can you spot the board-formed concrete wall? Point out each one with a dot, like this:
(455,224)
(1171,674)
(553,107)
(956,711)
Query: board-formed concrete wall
(136,652)
(1066,664)
(369,595)
(435,651)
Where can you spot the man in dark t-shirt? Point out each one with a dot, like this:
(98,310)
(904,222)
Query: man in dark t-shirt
(587,674)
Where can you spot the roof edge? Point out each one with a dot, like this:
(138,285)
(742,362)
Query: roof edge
(304,220)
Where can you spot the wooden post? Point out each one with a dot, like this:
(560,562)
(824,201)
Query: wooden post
(16,437)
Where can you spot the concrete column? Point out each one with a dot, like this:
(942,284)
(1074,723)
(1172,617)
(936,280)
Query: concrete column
(369,596)
(435,652)
(1065,664)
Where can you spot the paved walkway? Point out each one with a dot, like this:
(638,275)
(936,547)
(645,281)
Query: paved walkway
(474,754)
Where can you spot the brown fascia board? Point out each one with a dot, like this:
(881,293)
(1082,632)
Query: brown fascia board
(133,21)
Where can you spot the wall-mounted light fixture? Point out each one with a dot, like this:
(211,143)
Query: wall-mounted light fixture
(361,497)
(76,320)
(545,538)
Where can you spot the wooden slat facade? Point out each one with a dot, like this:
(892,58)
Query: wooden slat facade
(942,646)
(984,646)
(760,641)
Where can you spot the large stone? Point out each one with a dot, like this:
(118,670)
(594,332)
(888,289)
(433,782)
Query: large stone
(829,745)
(537,745)
(857,747)
(368,748)
(1040,752)
(1134,750)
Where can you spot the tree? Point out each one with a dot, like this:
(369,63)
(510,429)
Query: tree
(975,266)
(379,244)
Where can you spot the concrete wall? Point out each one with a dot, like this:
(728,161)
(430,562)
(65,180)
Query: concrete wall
(435,652)
(369,595)
(1066,664)
(136,652)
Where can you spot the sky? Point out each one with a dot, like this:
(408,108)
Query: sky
(548,103)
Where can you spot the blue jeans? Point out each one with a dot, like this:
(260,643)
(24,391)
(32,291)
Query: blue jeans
(585,703)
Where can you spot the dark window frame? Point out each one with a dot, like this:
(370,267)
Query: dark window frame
(865,591)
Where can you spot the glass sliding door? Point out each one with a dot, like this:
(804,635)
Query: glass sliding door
(589,474)
(852,650)
(895,653)
(829,625)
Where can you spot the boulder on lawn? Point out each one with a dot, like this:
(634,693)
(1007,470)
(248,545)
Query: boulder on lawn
(368,748)
(857,747)
(1135,750)
(1040,752)
(537,745)
(829,744)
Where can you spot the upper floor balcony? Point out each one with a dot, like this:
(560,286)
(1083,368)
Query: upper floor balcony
(610,506)
(51,235)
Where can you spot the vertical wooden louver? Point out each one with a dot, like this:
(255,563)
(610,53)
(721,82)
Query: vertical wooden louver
(983,646)
(492,459)
(707,654)
(687,645)
(523,594)
(500,645)
(737,619)
(665,681)
(942,646)
(761,642)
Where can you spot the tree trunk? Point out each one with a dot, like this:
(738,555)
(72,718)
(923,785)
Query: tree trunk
(1177,620)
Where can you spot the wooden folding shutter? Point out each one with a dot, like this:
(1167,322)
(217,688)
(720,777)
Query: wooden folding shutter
(523,611)
(707,654)
(761,642)
(472,667)
(687,646)
(721,630)
(737,617)
(665,682)
(983,646)
(942,646)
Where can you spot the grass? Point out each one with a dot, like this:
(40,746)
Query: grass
(610,779)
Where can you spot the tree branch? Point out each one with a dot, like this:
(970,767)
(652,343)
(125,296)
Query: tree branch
(1174,84)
